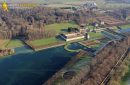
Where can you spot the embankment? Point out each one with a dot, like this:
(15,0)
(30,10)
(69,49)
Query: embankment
(38,48)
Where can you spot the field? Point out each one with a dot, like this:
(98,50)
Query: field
(94,35)
(125,26)
(60,27)
(11,43)
(42,42)
(3,43)
(14,44)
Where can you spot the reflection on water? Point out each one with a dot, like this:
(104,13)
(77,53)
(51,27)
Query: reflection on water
(32,68)
(24,49)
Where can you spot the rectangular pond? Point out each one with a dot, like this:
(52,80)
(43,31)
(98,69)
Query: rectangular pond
(32,68)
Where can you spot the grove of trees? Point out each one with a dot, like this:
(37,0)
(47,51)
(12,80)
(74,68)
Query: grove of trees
(100,66)
(30,22)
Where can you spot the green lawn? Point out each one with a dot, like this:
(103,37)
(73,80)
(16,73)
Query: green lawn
(11,43)
(90,27)
(95,46)
(14,44)
(95,35)
(125,26)
(42,42)
(3,43)
(60,27)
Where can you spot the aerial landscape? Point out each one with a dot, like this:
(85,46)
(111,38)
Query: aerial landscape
(64,42)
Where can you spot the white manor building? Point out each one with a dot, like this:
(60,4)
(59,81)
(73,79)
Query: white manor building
(80,33)
(72,36)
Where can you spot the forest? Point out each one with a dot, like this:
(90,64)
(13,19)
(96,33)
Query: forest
(29,22)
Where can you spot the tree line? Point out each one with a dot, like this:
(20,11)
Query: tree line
(99,67)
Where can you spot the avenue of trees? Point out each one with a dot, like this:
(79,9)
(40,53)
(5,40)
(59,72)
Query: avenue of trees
(104,61)
(120,72)
(100,66)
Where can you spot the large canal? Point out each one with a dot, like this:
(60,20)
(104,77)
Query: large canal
(32,68)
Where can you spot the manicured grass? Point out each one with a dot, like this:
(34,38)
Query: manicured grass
(95,35)
(90,27)
(10,43)
(125,26)
(42,42)
(14,44)
(95,46)
(3,43)
(60,27)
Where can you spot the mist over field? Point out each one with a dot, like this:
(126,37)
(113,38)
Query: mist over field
(63,1)
(40,1)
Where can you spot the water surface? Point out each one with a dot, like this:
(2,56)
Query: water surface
(32,68)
